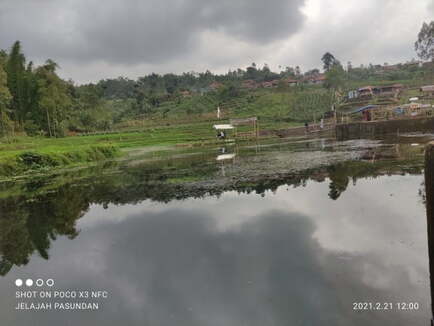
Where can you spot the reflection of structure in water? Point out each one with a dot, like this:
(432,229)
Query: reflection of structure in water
(27,229)
(225,157)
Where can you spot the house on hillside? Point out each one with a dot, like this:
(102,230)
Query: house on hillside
(370,91)
(215,86)
(291,82)
(353,94)
(267,84)
(413,64)
(391,67)
(365,92)
(249,84)
(427,90)
(388,90)
(185,93)
(315,79)
(270,84)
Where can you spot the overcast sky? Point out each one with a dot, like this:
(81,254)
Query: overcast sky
(94,39)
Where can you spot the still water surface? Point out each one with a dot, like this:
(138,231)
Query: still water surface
(300,251)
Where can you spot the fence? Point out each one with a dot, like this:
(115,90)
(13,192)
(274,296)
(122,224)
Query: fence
(407,111)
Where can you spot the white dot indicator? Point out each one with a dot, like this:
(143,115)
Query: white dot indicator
(18,282)
(29,282)
(39,282)
(50,282)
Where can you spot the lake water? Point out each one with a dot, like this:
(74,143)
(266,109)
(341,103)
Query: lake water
(293,233)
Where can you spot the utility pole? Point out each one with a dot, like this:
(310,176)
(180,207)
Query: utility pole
(429,193)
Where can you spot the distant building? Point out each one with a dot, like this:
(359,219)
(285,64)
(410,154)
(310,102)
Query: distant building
(291,82)
(383,91)
(367,92)
(391,67)
(364,92)
(185,93)
(215,86)
(249,84)
(353,94)
(270,84)
(315,79)
(267,84)
(427,90)
(388,90)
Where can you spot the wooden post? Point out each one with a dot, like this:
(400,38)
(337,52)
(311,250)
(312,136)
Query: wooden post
(429,193)
(257,129)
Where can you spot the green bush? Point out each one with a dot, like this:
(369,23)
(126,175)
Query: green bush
(33,161)
(31,128)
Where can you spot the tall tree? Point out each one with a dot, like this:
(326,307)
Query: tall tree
(15,68)
(30,92)
(6,126)
(328,61)
(335,77)
(297,71)
(424,45)
(53,98)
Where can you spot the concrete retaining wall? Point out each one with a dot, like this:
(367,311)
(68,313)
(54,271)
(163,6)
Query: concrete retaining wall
(374,129)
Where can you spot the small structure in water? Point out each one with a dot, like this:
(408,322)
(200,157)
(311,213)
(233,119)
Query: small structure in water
(253,122)
(222,130)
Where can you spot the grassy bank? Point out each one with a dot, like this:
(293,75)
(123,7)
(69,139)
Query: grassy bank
(22,162)
(25,154)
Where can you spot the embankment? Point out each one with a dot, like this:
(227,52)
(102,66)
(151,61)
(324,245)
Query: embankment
(297,131)
(39,161)
(375,129)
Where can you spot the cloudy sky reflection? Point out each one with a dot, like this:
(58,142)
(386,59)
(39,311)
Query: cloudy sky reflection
(291,257)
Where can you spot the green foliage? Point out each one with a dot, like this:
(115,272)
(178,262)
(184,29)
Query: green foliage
(31,128)
(39,101)
(424,45)
(328,61)
(44,160)
(15,68)
(335,77)
(53,99)
(6,125)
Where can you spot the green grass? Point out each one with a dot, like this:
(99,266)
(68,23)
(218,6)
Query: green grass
(20,162)
(25,154)
(47,153)
(188,122)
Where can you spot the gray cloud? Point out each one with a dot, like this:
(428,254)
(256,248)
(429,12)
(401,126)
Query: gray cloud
(177,268)
(374,32)
(93,39)
(132,32)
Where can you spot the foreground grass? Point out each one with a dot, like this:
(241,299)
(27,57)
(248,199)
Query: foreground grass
(21,162)
(146,137)
(26,154)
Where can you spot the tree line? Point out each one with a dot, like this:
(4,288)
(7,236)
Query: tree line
(35,100)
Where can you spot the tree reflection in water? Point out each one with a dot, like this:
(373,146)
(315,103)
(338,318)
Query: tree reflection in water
(35,213)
